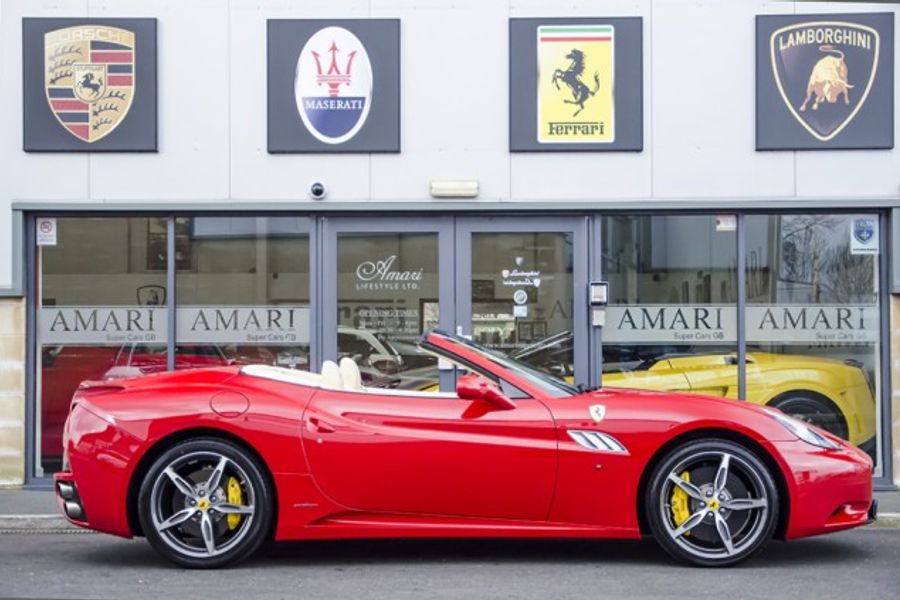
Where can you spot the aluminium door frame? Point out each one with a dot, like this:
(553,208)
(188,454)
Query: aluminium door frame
(578,227)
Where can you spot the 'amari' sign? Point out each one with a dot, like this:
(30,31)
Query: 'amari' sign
(825,81)
(106,325)
(717,324)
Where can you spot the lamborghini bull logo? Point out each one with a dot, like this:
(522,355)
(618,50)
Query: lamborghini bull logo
(828,79)
(817,88)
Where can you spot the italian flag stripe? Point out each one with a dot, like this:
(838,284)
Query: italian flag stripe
(598,29)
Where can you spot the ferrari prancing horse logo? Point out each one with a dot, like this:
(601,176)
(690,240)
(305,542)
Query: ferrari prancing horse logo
(597,412)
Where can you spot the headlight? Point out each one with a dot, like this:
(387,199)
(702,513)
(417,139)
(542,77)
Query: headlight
(802,430)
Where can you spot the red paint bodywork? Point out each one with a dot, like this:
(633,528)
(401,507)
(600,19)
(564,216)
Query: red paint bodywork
(393,464)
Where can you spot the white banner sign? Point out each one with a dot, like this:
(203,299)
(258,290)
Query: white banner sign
(102,325)
(717,324)
(105,325)
(261,325)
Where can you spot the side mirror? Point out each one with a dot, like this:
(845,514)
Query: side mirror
(475,387)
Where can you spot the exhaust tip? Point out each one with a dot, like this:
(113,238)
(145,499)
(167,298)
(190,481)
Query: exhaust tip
(66,490)
(74,511)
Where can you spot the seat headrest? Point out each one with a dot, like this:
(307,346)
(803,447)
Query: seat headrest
(331,375)
(350,374)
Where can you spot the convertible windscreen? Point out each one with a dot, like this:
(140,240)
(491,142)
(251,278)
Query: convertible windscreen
(550,385)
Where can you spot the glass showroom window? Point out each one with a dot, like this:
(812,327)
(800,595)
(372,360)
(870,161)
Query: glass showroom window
(100,313)
(812,316)
(387,296)
(242,291)
(671,323)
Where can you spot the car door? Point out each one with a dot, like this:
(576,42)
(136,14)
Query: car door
(429,453)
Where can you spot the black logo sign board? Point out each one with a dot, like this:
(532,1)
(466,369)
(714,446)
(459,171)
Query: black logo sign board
(575,84)
(825,81)
(89,84)
(334,86)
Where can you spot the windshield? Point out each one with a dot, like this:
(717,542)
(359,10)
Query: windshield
(550,385)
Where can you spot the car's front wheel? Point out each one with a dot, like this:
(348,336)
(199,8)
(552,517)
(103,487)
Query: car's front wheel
(711,503)
(205,503)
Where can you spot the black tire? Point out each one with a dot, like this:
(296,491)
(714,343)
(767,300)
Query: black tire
(179,525)
(748,490)
(813,409)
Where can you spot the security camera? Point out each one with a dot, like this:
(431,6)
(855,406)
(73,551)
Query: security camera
(317,190)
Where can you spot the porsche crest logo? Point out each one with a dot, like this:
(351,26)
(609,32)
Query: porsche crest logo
(89,78)
(824,71)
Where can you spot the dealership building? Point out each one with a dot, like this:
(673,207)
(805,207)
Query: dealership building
(191,184)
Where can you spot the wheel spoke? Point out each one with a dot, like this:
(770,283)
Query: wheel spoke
(206,529)
(690,489)
(216,476)
(724,533)
(180,482)
(691,522)
(745,503)
(722,473)
(234,509)
(176,519)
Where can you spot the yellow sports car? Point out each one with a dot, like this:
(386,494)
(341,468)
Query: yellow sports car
(832,394)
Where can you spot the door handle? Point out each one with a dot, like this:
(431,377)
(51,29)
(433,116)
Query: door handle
(319,426)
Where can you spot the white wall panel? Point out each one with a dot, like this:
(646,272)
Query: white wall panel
(454,98)
(29,176)
(852,173)
(587,175)
(704,103)
(192,79)
(256,174)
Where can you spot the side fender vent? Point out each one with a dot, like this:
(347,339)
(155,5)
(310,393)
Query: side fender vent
(596,441)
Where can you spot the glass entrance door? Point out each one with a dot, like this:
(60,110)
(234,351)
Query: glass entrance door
(386,283)
(510,284)
(519,290)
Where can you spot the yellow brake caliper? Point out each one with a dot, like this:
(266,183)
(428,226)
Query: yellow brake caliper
(680,508)
(235,497)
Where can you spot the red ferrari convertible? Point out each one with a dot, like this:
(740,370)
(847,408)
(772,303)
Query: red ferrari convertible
(209,463)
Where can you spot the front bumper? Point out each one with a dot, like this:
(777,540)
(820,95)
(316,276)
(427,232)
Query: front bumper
(830,490)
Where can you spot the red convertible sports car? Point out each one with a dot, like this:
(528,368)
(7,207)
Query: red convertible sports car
(209,463)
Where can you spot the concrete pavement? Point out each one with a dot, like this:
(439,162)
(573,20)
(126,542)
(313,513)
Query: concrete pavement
(855,564)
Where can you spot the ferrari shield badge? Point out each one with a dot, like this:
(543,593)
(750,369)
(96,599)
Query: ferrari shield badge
(597,411)
(824,71)
(575,77)
(89,78)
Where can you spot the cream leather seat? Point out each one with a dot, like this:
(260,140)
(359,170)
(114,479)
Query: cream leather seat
(350,375)
(331,375)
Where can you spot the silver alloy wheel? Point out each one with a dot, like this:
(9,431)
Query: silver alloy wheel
(714,503)
(189,506)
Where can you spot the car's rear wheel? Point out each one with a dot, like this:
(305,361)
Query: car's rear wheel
(711,503)
(205,503)
(815,410)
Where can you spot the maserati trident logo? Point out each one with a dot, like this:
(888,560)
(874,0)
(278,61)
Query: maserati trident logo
(333,85)
(89,78)
(824,71)
(597,411)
